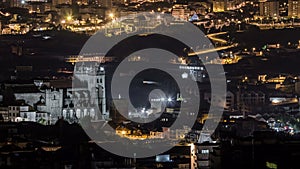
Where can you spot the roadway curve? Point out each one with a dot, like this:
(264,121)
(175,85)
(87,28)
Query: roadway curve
(214,38)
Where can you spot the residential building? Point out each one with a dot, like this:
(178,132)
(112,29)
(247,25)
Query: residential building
(294,8)
(181,11)
(269,8)
(223,5)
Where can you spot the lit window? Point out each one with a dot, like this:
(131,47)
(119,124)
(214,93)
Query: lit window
(204,151)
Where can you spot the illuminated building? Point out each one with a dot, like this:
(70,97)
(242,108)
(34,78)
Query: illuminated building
(17,3)
(53,103)
(269,8)
(95,89)
(223,5)
(294,8)
(38,6)
(180,11)
(218,6)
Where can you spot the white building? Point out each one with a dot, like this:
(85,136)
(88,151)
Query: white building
(28,116)
(21,112)
(53,103)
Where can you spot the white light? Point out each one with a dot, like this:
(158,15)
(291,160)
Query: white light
(169,99)
(101,68)
(184,75)
(162,99)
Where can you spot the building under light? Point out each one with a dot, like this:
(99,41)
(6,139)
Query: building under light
(181,11)
(294,8)
(223,5)
(269,8)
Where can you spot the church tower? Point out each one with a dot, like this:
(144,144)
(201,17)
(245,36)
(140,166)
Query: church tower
(100,86)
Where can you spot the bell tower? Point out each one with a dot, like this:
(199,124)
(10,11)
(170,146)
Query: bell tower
(100,87)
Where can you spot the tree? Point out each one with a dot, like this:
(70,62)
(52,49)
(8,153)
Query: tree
(1,118)
(8,96)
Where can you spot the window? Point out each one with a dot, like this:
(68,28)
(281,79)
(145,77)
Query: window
(204,151)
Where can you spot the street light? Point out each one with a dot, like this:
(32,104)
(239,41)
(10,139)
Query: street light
(69,17)
(111,15)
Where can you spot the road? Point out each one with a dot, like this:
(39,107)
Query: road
(214,38)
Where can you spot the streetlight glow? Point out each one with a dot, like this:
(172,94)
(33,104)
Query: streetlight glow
(69,18)
(111,15)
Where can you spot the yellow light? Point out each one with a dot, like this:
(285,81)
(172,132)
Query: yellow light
(111,15)
(69,18)
(271,165)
